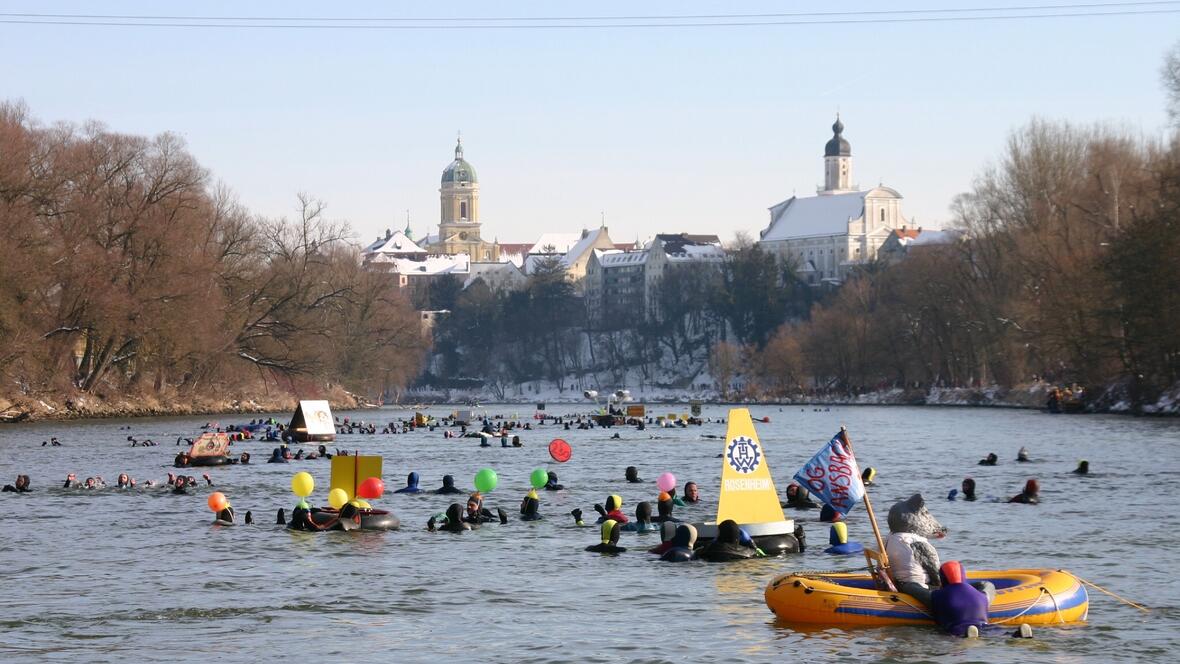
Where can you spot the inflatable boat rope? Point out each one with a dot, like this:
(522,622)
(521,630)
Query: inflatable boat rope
(896,597)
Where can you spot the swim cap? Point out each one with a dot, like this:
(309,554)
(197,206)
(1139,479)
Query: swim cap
(838,534)
(664,496)
(869,475)
(608,527)
(613,502)
(952,572)
(532,494)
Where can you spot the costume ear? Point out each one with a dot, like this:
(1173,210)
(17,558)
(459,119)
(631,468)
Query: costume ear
(916,502)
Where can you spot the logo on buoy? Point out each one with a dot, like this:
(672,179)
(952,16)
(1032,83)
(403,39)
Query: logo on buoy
(743,455)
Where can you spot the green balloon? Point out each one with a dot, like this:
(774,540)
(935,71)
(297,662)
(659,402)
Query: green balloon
(539,478)
(486,480)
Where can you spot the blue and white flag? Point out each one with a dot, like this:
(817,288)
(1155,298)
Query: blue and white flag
(833,476)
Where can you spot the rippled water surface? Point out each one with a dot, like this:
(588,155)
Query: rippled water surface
(108,575)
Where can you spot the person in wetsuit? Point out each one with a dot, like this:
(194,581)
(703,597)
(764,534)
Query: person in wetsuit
(990,460)
(612,510)
(798,498)
(643,521)
(20,486)
(840,546)
(691,495)
(610,539)
(664,507)
(956,606)
(477,513)
(682,543)
(453,521)
(1083,468)
(411,484)
(1030,495)
(968,490)
(530,506)
(727,545)
(552,484)
(448,486)
(632,475)
(1022,455)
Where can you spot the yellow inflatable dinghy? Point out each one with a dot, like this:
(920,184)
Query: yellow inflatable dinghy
(1036,597)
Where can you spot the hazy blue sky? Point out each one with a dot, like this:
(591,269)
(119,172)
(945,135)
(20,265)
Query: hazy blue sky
(666,130)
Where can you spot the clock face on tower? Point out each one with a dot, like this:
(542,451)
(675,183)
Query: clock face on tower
(463,235)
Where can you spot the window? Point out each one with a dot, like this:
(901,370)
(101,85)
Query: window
(882,214)
(463,210)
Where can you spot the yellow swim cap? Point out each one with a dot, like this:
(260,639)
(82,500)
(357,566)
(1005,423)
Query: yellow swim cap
(616,500)
(533,494)
(607,527)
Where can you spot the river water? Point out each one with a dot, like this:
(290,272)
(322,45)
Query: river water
(108,575)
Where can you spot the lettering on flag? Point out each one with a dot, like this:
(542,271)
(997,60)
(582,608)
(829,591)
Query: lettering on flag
(833,476)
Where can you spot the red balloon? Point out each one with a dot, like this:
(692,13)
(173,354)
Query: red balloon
(371,488)
(560,450)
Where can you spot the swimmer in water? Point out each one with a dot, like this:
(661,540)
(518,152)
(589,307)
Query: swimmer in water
(530,506)
(990,460)
(612,510)
(411,484)
(632,475)
(691,494)
(477,513)
(448,486)
(643,522)
(552,484)
(452,522)
(968,490)
(727,545)
(1022,455)
(610,539)
(664,508)
(1030,495)
(682,543)
(798,498)
(667,532)
(1083,468)
(20,486)
(125,482)
(868,476)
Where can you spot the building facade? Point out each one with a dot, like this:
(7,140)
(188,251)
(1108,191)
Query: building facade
(827,236)
(459,226)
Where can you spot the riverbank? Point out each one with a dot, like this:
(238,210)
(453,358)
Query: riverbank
(88,406)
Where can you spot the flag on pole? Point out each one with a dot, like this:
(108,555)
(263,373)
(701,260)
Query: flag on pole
(833,476)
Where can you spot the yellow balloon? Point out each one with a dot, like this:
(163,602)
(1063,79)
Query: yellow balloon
(364,504)
(337,497)
(302,484)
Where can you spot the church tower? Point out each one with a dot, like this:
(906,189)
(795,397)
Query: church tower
(459,196)
(837,162)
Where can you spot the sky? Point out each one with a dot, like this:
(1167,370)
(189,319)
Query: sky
(654,130)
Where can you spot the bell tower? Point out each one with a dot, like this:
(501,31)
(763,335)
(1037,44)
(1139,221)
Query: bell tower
(837,161)
(459,204)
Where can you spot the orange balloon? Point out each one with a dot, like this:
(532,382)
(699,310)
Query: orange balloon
(217,501)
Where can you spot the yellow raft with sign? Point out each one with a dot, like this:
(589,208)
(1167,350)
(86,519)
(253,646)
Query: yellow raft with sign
(1036,597)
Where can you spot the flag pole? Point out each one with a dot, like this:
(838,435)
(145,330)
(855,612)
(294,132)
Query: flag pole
(868,507)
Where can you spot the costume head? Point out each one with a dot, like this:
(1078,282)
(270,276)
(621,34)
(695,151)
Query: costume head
(911,516)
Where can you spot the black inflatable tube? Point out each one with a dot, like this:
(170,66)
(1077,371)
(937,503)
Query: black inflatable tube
(370,520)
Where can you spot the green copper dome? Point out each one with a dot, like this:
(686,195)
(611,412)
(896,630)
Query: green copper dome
(459,170)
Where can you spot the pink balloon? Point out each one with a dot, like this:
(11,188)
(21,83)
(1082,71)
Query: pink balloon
(666,482)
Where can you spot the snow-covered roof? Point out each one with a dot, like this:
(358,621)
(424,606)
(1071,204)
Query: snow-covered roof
(825,214)
(482,269)
(934,237)
(697,252)
(585,241)
(612,258)
(432,266)
(561,243)
(396,242)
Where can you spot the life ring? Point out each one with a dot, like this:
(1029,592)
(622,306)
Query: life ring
(370,519)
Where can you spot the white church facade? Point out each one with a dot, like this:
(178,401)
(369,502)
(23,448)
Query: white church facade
(828,235)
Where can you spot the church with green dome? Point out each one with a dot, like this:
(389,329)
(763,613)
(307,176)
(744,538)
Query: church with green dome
(459,225)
